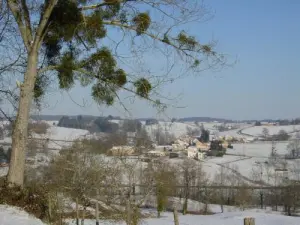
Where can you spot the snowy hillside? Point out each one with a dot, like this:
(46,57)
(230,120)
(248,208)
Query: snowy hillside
(209,126)
(63,133)
(257,130)
(58,135)
(176,128)
(12,216)
(259,149)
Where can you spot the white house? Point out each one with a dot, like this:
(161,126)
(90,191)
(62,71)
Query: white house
(177,147)
(155,153)
(201,155)
(192,152)
(121,150)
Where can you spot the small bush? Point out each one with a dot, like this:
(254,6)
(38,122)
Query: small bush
(220,154)
(31,199)
(38,127)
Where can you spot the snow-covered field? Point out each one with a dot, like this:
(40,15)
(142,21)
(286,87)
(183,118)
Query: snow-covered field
(235,132)
(257,130)
(259,149)
(12,216)
(60,137)
(63,133)
(228,218)
(254,158)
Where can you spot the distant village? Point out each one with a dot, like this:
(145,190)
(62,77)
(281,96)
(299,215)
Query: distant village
(148,139)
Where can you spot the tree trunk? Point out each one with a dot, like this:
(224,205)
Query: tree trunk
(19,136)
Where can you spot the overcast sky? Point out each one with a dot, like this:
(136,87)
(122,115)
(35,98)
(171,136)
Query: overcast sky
(263,83)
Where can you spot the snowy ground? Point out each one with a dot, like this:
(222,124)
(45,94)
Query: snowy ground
(259,149)
(228,218)
(12,216)
(257,130)
(250,158)
(59,135)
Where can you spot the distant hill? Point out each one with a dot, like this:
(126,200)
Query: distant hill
(58,117)
(185,119)
(204,119)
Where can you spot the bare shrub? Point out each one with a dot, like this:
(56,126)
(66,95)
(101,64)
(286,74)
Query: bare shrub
(38,127)
(101,146)
(193,131)
(243,197)
(191,174)
(163,177)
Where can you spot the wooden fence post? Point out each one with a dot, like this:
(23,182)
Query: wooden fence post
(249,221)
(128,211)
(77,212)
(176,221)
(49,207)
(97,209)
(83,216)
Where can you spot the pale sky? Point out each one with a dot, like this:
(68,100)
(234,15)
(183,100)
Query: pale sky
(263,83)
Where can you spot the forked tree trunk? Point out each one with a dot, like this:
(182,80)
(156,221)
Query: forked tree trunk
(19,136)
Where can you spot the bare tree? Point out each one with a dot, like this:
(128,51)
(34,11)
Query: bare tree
(163,137)
(265,132)
(164,179)
(293,148)
(11,63)
(188,171)
(193,131)
(220,179)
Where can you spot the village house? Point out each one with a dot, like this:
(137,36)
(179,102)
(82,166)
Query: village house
(194,153)
(201,146)
(155,153)
(121,151)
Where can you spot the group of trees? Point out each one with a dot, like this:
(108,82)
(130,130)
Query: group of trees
(151,122)
(133,125)
(104,125)
(81,175)
(282,135)
(293,147)
(204,134)
(163,136)
(204,137)
(193,131)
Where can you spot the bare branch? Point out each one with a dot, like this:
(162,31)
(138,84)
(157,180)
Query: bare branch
(96,6)
(27,20)
(13,5)
(42,28)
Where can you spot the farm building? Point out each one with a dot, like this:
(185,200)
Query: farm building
(121,151)
(194,153)
(201,146)
(155,153)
